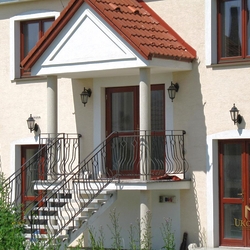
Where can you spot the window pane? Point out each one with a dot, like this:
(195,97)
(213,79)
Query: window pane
(122,111)
(46,25)
(31,36)
(232,170)
(231,28)
(157,110)
(248,28)
(232,213)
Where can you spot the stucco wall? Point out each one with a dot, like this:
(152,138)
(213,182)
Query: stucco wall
(127,207)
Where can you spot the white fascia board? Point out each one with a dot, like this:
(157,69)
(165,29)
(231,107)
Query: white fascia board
(170,65)
(14,1)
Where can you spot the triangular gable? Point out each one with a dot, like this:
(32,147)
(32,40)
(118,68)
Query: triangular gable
(134,21)
(88,40)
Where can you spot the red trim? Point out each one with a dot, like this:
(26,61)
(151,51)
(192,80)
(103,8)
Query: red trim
(51,34)
(244,57)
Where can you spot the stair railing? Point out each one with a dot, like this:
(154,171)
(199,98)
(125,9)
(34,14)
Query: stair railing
(63,205)
(52,157)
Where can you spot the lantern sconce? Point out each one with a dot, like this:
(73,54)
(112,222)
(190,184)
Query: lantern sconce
(31,122)
(235,116)
(85,95)
(174,87)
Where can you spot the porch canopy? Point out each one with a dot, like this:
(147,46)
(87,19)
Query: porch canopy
(99,38)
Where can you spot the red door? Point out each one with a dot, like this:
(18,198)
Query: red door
(234,166)
(32,170)
(122,114)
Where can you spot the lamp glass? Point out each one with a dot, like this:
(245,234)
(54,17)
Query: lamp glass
(234,112)
(84,97)
(31,122)
(171,92)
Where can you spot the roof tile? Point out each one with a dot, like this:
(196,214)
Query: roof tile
(139,25)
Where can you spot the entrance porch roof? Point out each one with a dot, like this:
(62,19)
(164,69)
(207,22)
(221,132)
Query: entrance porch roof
(108,37)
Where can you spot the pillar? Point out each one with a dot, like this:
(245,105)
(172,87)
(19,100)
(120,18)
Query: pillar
(52,124)
(145,219)
(145,157)
(52,104)
(145,123)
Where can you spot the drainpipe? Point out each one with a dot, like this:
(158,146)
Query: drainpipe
(145,163)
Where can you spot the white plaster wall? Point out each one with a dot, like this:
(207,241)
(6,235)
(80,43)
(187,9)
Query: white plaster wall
(128,206)
(201,107)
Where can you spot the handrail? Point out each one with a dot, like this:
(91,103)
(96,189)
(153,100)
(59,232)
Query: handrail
(44,159)
(61,195)
(101,167)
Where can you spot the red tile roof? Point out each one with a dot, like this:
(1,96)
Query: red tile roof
(138,24)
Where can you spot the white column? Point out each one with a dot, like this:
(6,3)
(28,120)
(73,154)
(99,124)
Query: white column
(145,218)
(145,164)
(52,104)
(145,123)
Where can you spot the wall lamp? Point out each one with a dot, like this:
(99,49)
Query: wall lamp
(32,126)
(174,87)
(85,95)
(235,116)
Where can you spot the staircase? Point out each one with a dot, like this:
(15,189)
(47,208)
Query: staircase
(71,194)
(58,216)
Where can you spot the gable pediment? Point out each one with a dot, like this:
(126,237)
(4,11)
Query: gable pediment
(86,40)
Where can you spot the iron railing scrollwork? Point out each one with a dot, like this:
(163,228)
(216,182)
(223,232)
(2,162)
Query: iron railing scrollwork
(56,156)
(69,187)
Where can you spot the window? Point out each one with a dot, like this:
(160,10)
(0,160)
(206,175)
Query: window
(16,24)
(31,32)
(233,30)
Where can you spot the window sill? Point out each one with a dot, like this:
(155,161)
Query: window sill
(29,79)
(228,64)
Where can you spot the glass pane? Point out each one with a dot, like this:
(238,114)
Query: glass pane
(232,170)
(32,171)
(232,215)
(31,36)
(248,28)
(46,25)
(157,110)
(231,28)
(122,111)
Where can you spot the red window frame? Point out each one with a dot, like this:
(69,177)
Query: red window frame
(244,48)
(41,31)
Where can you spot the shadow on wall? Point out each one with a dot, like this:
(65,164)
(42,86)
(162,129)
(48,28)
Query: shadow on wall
(83,115)
(189,115)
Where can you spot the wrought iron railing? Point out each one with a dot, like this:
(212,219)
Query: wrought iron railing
(120,155)
(56,156)
(67,189)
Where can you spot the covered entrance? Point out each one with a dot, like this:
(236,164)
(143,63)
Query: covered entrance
(234,168)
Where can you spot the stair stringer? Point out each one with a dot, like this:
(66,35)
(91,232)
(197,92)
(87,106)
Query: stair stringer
(76,232)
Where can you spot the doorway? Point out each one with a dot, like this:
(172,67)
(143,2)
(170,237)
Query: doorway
(122,114)
(234,168)
(32,171)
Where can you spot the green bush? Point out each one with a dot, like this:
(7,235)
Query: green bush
(11,225)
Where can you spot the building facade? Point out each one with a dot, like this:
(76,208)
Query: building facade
(127,53)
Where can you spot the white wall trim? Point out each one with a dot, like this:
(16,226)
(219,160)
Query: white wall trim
(213,181)
(211,31)
(15,36)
